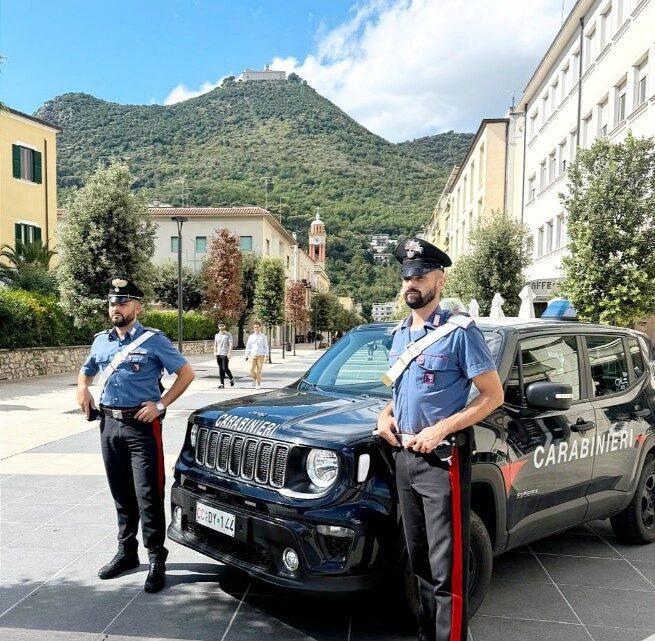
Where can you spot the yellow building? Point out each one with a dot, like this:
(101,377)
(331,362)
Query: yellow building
(28,178)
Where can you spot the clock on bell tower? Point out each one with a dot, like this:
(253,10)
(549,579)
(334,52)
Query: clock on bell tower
(317,239)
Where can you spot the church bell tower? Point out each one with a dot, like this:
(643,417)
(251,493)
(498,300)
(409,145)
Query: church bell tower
(317,239)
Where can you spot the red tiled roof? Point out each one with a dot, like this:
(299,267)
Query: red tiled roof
(207,211)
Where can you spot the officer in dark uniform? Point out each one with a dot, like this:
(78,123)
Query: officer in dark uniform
(429,407)
(131,410)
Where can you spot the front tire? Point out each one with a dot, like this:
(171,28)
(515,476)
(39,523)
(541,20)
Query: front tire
(636,523)
(481,562)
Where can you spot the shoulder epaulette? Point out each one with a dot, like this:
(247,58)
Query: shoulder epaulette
(103,331)
(398,326)
(461,320)
(153,329)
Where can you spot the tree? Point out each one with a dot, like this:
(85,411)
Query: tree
(610,274)
(28,267)
(107,232)
(324,310)
(165,286)
(269,294)
(296,307)
(496,263)
(222,274)
(249,265)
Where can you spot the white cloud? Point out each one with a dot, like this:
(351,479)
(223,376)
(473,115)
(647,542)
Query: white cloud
(182,92)
(410,68)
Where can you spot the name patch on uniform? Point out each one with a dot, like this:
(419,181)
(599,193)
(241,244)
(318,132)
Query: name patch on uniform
(428,378)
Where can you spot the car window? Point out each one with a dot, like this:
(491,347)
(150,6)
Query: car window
(637,357)
(609,365)
(551,359)
(513,387)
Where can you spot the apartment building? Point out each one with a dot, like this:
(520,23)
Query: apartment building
(28,178)
(597,79)
(383,311)
(262,74)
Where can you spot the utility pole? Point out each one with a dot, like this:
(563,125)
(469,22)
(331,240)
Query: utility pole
(279,211)
(267,180)
(180,220)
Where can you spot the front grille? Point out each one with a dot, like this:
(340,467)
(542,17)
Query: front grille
(252,554)
(250,458)
(338,546)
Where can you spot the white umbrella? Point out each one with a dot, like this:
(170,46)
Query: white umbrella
(527,297)
(474,308)
(497,306)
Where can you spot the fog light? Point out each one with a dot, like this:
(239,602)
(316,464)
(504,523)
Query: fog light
(335,530)
(290,559)
(177,515)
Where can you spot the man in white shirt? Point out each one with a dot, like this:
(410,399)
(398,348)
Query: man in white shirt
(256,351)
(223,352)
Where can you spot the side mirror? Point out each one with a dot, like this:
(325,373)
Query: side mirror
(549,396)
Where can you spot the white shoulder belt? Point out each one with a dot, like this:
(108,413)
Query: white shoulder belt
(413,350)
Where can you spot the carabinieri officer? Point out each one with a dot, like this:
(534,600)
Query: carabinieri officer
(428,406)
(131,409)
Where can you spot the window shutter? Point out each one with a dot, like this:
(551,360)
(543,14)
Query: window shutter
(36,159)
(15,156)
(18,232)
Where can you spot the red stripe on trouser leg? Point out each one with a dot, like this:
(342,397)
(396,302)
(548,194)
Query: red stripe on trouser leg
(457,574)
(156,430)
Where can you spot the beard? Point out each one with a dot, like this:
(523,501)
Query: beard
(120,320)
(416,300)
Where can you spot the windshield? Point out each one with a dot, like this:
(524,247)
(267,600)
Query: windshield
(356,363)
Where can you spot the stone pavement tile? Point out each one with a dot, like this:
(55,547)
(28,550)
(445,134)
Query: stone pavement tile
(11,531)
(488,628)
(519,567)
(647,568)
(109,544)
(62,537)
(78,480)
(83,571)
(12,594)
(21,566)
(599,573)
(543,602)
(87,514)
(13,493)
(28,512)
(632,552)
(575,545)
(21,634)
(198,616)
(32,481)
(618,608)
(61,495)
(68,609)
(618,634)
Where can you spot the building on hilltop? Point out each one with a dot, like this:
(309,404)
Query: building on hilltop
(382,246)
(383,311)
(28,178)
(262,74)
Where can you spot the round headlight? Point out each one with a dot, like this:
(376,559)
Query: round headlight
(193,435)
(322,467)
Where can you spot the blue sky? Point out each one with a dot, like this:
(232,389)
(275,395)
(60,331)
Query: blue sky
(402,68)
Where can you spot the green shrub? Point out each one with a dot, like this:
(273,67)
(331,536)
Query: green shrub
(197,326)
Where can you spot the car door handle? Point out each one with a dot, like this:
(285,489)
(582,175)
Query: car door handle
(582,426)
(637,412)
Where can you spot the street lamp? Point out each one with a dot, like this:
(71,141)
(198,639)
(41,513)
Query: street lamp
(180,220)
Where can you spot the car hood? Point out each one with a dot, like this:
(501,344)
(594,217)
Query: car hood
(295,416)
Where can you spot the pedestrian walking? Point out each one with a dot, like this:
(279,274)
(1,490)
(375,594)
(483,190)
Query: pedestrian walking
(131,359)
(223,353)
(434,358)
(256,351)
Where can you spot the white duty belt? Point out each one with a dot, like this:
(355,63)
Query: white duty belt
(415,349)
(118,359)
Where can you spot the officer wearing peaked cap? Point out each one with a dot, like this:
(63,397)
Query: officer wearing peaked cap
(430,386)
(130,359)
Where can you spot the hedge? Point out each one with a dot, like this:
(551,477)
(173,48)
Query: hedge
(28,319)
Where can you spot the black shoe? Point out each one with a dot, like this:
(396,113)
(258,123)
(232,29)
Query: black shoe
(231,382)
(120,563)
(221,386)
(156,579)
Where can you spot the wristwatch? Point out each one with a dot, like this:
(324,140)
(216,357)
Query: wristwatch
(160,406)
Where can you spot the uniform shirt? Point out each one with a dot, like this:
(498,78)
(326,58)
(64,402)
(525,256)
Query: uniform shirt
(437,383)
(257,345)
(137,379)
(222,344)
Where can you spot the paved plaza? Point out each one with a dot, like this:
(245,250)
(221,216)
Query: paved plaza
(58,528)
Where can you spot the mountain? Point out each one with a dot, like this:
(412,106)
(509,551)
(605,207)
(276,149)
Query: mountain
(447,149)
(226,142)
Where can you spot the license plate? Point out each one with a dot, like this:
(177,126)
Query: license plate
(215,519)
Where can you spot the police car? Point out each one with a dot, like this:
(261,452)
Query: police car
(293,488)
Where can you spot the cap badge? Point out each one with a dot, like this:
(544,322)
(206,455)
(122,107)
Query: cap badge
(119,282)
(413,247)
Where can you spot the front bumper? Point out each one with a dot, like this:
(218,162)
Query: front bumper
(327,564)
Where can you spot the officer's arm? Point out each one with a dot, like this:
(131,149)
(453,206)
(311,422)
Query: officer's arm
(183,379)
(387,425)
(84,398)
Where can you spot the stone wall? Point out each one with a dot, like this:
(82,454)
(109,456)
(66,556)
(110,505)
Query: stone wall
(36,361)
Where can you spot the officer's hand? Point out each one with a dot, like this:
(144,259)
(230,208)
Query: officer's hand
(388,428)
(428,438)
(148,413)
(85,400)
